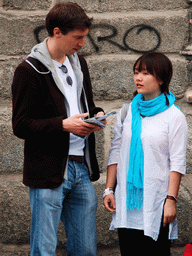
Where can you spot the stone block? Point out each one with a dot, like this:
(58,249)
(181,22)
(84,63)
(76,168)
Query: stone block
(26,5)
(128,5)
(18,36)
(112,33)
(184,209)
(15,213)
(112,76)
(14,210)
(11,148)
(141,31)
(7,68)
(186,108)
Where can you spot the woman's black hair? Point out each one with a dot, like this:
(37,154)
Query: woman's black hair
(159,66)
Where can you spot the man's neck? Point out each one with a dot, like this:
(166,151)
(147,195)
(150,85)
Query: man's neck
(54,51)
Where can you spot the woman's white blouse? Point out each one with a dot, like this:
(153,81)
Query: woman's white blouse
(164,139)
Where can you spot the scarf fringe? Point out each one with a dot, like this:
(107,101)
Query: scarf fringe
(135,198)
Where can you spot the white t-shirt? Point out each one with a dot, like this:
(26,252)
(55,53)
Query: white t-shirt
(164,139)
(77,144)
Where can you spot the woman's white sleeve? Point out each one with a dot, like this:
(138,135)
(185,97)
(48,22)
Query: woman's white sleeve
(178,137)
(116,141)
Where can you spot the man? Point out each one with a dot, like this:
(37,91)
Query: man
(51,96)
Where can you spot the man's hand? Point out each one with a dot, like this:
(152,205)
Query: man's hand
(77,126)
(169,211)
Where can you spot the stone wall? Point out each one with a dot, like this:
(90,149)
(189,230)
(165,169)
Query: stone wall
(122,30)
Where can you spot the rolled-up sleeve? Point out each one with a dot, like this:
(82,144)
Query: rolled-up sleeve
(178,137)
(116,142)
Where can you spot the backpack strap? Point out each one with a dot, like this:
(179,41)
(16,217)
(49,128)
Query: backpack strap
(124,111)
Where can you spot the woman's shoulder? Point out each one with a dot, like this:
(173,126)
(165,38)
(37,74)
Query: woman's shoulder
(174,113)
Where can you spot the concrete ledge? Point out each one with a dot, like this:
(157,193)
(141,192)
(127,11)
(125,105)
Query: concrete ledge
(26,5)
(7,68)
(24,250)
(124,32)
(12,148)
(128,5)
(116,32)
(112,76)
(15,213)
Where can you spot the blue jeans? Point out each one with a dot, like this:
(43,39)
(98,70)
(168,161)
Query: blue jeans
(75,203)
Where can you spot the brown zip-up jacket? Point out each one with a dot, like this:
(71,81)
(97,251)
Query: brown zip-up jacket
(38,111)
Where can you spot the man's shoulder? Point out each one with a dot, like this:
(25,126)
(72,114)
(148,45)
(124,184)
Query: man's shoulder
(36,64)
(82,59)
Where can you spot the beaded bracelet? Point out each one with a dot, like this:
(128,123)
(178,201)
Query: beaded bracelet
(107,191)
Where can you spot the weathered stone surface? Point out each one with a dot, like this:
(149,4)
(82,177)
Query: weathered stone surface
(11,148)
(26,5)
(114,250)
(114,26)
(186,108)
(15,213)
(14,210)
(111,53)
(19,29)
(128,5)
(112,76)
(7,68)
(139,31)
(184,209)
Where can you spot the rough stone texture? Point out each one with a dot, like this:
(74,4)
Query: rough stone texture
(11,147)
(111,53)
(127,5)
(186,108)
(117,26)
(15,213)
(23,250)
(14,210)
(21,28)
(112,76)
(26,5)
(7,68)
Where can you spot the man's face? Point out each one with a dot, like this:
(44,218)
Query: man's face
(72,41)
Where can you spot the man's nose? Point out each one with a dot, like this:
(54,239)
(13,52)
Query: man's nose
(81,43)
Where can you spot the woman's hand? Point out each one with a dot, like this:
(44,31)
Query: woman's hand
(109,203)
(169,211)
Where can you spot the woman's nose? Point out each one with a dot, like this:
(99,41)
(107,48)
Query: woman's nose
(139,77)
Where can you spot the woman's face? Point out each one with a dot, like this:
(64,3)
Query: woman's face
(146,83)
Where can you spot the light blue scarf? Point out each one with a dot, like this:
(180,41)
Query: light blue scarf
(136,159)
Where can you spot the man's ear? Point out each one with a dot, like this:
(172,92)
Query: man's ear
(57,32)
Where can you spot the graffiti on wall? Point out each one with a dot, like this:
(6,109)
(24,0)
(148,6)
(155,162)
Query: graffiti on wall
(109,38)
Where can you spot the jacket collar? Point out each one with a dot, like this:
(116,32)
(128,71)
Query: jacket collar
(40,52)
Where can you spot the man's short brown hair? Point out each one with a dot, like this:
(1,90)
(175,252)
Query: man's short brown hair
(67,17)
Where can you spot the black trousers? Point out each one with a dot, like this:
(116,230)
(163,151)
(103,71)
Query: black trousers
(133,242)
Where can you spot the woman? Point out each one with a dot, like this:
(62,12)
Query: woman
(147,158)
